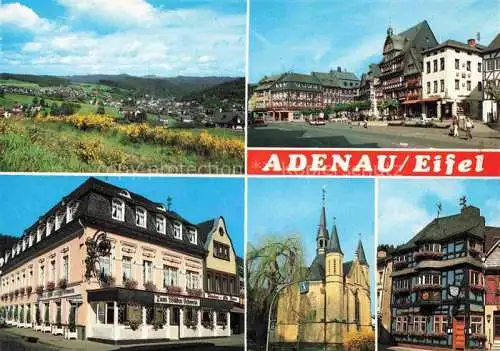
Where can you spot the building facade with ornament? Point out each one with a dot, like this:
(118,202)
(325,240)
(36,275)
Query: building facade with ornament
(285,97)
(110,265)
(438,284)
(401,67)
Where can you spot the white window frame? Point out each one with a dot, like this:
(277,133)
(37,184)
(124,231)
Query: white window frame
(141,211)
(131,264)
(192,280)
(193,236)
(120,204)
(49,226)
(39,233)
(65,268)
(178,230)
(59,219)
(147,271)
(161,224)
(71,210)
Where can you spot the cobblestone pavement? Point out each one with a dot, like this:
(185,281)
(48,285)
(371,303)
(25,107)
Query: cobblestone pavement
(51,342)
(300,134)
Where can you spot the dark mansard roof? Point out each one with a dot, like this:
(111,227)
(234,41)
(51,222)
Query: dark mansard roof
(468,221)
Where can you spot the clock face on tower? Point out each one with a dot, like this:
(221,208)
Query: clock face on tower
(304,287)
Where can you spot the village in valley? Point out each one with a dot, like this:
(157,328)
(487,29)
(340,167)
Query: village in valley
(123,122)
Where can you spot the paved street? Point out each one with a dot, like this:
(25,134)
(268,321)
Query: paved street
(397,348)
(14,339)
(295,134)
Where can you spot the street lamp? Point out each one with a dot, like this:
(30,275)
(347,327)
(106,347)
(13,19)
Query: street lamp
(280,289)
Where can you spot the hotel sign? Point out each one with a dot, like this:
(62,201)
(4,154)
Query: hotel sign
(222,297)
(176,300)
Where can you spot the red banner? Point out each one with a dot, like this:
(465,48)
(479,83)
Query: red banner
(368,162)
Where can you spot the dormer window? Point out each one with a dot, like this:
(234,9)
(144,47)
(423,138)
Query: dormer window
(178,230)
(140,217)
(18,248)
(430,248)
(161,208)
(24,244)
(192,236)
(118,210)
(59,219)
(31,238)
(161,224)
(50,226)
(125,193)
(39,233)
(71,210)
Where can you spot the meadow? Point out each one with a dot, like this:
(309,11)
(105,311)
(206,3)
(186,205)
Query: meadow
(95,143)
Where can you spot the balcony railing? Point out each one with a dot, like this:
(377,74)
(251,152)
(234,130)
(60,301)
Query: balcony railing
(401,291)
(400,264)
(421,287)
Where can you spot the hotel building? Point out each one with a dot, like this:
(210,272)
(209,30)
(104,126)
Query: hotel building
(120,268)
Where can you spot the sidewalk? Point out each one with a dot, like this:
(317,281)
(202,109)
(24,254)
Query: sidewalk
(62,344)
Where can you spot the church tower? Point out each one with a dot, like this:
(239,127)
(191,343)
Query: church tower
(322,235)
(334,282)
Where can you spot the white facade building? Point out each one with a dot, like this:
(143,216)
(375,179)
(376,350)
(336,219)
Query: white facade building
(452,76)
(491,74)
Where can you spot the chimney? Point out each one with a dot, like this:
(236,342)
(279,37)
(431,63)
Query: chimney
(339,69)
(471,42)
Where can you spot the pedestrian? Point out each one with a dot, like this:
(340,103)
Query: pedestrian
(468,127)
(455,126)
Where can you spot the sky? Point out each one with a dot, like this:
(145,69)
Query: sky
(292,206)
(24,199)
(406,206)
(136,37)
(319,35)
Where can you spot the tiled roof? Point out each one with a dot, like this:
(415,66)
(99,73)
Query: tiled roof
(494,45)
(491,236)
(458,45)
(317,268)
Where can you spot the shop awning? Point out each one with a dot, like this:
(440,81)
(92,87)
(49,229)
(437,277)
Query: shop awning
(218,305)
(419,101)
(121,295)
(238,310)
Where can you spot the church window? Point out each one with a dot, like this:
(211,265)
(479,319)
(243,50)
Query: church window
(334,267)
(357,312)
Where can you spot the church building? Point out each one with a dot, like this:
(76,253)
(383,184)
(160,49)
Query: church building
(332,301)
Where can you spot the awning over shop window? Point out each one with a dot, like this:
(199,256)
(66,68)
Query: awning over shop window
(419,101)
(238,310)
(121,295)
(218,305)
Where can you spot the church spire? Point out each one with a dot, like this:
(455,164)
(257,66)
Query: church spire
(334,243)
(360,254)
(322,236)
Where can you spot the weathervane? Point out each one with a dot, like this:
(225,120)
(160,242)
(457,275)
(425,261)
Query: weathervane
(97,246)
(463,201)
(323,190)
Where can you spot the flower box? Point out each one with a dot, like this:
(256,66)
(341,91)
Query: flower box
(475,253)
(400,264)
(29,290)
(477,287)
(428,255)
(39,289)
(57,330)
(62,284)
(51,286)
(174,289)
(130,284)
(478,337)
(107,281)
(426,287)
(22,291)
(70,334)
(194,292)
(401,291)
(149,286)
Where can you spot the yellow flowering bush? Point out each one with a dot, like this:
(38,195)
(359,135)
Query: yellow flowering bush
(89,151)
(359,341)
(202,143)
(91,122)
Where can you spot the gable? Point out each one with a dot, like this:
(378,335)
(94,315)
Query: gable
(219,235)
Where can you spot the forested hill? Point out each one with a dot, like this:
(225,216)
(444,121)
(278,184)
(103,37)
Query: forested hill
(43,81)
(221,95)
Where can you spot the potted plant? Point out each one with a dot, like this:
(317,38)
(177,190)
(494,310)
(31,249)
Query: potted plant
(149,286)
(51,286)
(22,291)
(194,292)
(71,332)
(208,324)
(107,280)
(130,284)
(193,322)
(62,284)
(29,290)
(134,324)
(16,292)
(174,289)
(157,324)
(57,328)
(39,289)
